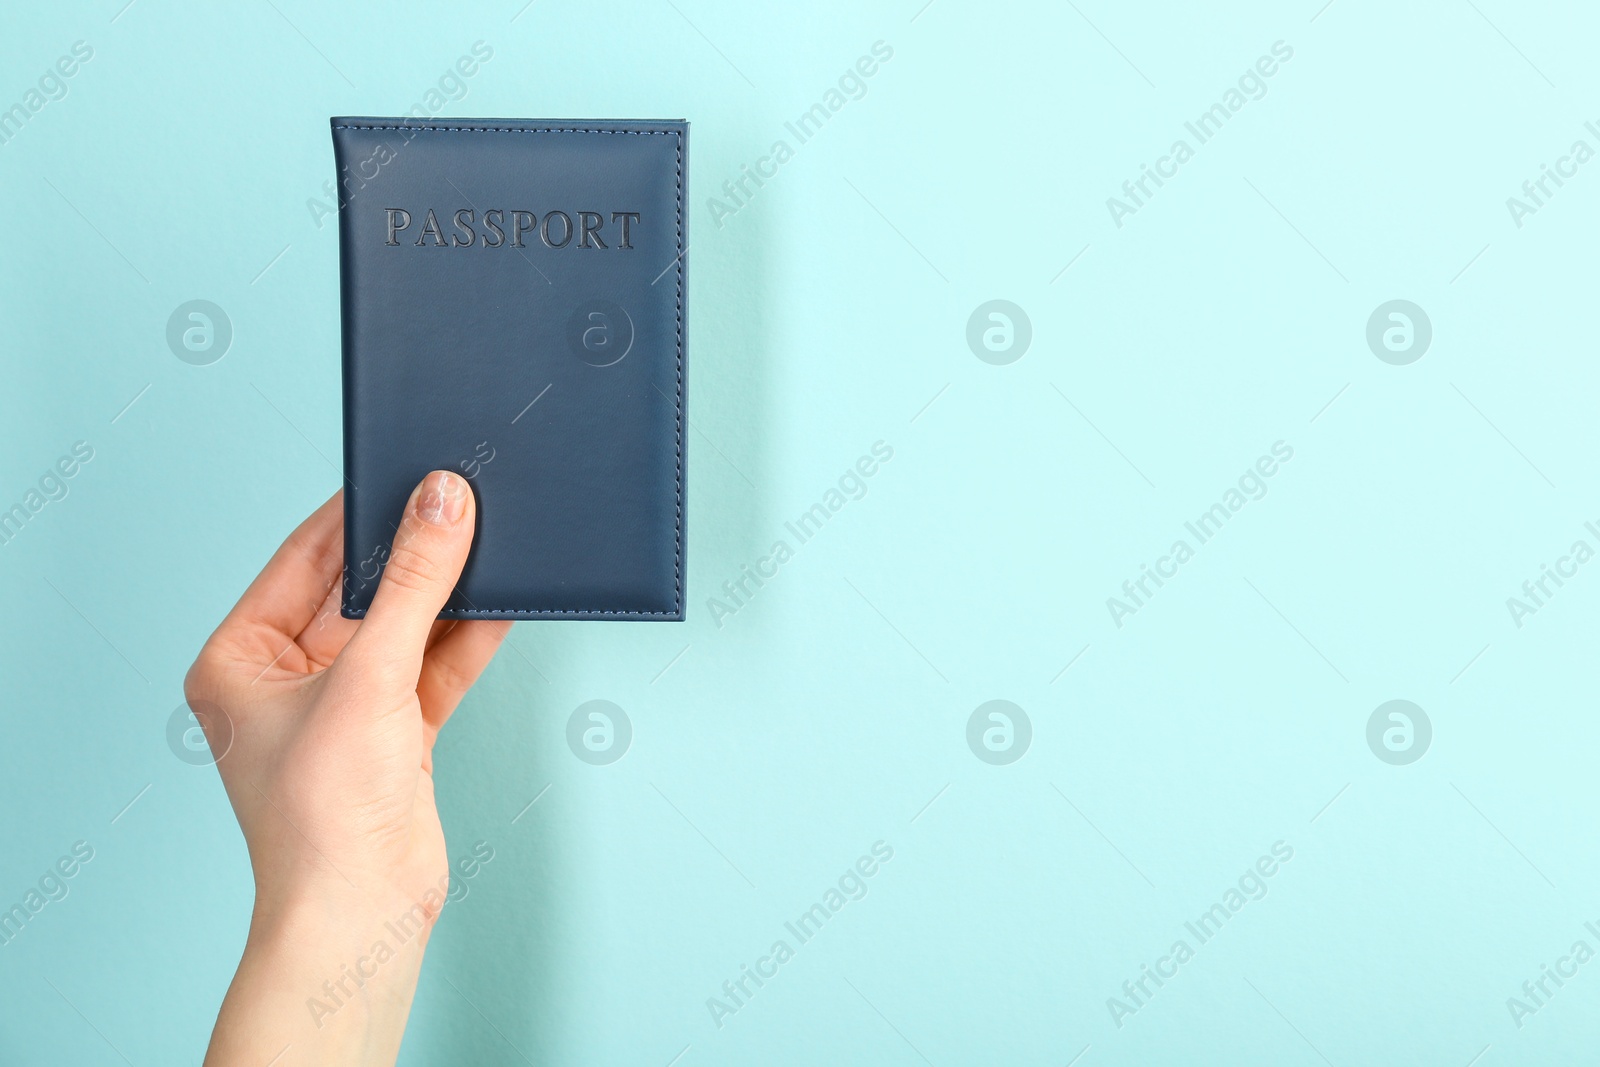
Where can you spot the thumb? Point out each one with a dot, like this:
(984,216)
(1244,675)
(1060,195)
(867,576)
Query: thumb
(429,550)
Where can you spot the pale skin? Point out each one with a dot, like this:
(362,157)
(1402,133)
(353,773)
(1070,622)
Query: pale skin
(330,772)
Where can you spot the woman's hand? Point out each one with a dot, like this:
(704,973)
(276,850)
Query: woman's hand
(323,728)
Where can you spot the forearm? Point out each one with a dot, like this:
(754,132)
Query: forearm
(328,737)
(321,984)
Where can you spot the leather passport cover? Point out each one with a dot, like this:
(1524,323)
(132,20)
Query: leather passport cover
(513,310)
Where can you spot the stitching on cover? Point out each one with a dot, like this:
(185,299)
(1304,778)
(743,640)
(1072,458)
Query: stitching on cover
(677,484)
(361,613)
(513,129)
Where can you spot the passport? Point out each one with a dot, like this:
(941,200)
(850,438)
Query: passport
(513,309)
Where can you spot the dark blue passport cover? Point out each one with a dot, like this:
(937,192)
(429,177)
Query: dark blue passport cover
(513,310)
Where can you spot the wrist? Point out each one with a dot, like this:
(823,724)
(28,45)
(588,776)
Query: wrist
(334,945)
(317,919)
(329,975)
(329,907)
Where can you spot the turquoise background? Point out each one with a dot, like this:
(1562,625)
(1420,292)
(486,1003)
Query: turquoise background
(828,313)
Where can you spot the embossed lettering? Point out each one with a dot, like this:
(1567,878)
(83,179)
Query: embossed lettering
(566,229)
(626,217)
(400,216)
(590,221)
(518,227)
(491,222)
(488,229)
(431,226)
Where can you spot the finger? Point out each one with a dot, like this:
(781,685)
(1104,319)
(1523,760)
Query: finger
(453,664)
(287,593)
(328,632)
(439,629)
(430,548)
